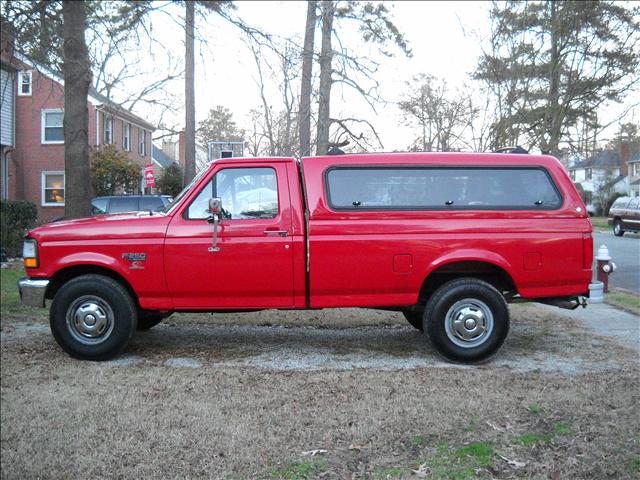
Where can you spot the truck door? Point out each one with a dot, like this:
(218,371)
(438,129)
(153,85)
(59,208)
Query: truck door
(253,265)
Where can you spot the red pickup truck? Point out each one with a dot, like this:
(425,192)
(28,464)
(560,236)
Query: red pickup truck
(446,238)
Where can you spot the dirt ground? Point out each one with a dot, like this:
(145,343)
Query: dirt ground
(339,394)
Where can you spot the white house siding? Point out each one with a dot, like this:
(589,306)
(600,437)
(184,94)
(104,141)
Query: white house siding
(598,176)
(7,90)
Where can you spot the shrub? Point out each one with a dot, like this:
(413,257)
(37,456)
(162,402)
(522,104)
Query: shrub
(16,216)
(112,173)
(171,181)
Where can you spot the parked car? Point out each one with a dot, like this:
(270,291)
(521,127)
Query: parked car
(624,215)
(448,239)
(129,203)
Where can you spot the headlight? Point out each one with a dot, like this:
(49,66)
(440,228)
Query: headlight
(30,253)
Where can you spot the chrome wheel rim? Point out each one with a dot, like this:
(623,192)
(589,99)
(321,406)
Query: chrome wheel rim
(616,227)
(90,320)
(469,323)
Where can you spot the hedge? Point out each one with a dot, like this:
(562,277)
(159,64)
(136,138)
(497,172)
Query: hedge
(16,216)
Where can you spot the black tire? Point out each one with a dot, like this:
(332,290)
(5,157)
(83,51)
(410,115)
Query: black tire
(148,319)
(93,317)
(414,318)
(467,307)
(617,228)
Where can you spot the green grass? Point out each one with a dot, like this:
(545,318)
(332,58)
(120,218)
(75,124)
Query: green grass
(600,223)
(479,454)
(448,463)
(531,438)
(635,465)
(9,290)
(535,408)
(10,306)
(417,441)
(623,300)
(301,470)
(560,428)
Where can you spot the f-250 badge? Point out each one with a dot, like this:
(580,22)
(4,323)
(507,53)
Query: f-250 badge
(136,260)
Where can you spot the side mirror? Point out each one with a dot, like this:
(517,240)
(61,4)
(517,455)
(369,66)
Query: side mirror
(215,205)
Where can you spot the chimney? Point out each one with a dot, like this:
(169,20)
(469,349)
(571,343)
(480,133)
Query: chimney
(7,41)
(625,156)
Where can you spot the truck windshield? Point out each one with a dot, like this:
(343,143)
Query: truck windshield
(170,206)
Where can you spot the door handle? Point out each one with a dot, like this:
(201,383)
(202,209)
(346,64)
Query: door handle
(282,233)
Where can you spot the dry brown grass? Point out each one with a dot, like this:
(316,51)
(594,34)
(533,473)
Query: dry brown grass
(67,419)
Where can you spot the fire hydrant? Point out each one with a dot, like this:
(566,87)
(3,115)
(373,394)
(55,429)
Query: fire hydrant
(605,266)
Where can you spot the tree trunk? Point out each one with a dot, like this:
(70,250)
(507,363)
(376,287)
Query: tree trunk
(307,73)
(554,116)
(189,94)
(326,55)
(77,78)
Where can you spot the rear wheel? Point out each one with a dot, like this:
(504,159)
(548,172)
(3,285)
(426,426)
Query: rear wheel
(467,320)
(414,318)
(617,228)
(93,317)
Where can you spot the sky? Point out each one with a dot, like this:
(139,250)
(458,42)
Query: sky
(446,39)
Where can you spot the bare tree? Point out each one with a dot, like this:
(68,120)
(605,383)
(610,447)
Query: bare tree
(280,62)
(326,55)
(77,77)
(189,95)
(307,76)
(442,117)
(349,69)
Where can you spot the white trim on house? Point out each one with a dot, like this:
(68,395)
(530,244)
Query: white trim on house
(108,130)
(43,176)
(142,142)
(21,75)
(126,136)
(43,114)
(97,127)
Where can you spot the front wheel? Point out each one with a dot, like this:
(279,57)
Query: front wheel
(93,317)
(617,228)
(467,320)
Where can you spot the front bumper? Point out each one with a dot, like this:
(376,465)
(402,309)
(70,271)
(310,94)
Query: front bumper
(32,291)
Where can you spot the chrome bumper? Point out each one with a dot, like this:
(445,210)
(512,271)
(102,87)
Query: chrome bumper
(32,291)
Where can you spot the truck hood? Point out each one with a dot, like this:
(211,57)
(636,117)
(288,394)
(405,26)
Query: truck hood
(129,225)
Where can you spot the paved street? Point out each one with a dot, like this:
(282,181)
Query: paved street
(625,252)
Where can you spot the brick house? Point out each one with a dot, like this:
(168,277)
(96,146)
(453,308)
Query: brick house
(33,167)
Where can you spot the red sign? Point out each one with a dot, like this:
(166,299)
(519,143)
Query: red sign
(148,175)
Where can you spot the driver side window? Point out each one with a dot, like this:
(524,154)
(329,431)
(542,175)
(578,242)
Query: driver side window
(245,193)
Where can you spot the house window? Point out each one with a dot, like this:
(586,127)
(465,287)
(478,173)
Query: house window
(588,174)
(24,83)
(636,169)
(52,129)
(108,130)
(53,189)
(126,136)
(141,142)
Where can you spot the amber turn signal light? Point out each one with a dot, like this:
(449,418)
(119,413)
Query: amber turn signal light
(30,262)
